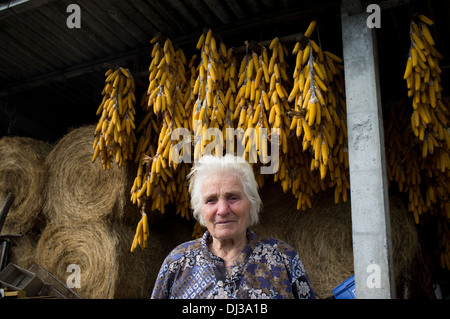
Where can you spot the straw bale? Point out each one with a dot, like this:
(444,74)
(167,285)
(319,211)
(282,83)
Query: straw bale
(23,249)
(138,270)
(81,191)
(23,173)
(322,235)
(91,246)
(101,250)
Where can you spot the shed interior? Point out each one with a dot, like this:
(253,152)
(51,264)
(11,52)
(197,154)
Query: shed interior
(52,76)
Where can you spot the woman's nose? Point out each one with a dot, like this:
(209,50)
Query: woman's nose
(222,207)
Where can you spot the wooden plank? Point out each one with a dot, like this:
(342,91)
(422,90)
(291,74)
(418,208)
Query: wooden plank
(5,209)
(4,251)
(15,293)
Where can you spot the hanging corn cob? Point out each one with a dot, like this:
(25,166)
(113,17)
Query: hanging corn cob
(417,140)
(142,232)
(157,159)
(277,93)
(114,133)
(422,74)
(319,111)
(254,72)
(424,179)
(212,92)
(213,85)
(247,114)
(277,96)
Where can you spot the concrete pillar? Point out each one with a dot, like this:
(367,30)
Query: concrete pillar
(371,231)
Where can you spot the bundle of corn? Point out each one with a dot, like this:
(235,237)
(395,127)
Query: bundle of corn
(429,121)
(23,173)
(154,180)
(413,172)
(261,104)
(247,94)
(79,190)
(422,74)
(322,236)
(423,178)
(159,167)
(114,133)
(212,91)
(319,120)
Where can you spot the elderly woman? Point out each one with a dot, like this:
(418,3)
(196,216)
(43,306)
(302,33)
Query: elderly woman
(230,260)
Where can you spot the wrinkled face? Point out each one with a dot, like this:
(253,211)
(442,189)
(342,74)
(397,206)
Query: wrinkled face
(225,208)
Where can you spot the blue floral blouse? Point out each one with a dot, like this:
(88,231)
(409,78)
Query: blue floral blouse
(266,269)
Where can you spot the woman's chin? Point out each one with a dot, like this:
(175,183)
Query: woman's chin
(223,232)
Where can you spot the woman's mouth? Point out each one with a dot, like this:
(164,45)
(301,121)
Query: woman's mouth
(224,222)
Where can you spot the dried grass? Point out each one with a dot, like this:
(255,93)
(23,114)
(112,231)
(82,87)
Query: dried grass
(23,249)
(322,235)
(101,250)
(138,270)
(82,191)
(23,172)
(89,218)
(91,246)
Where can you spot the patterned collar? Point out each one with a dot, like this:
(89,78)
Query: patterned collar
(251,236)
(238,263)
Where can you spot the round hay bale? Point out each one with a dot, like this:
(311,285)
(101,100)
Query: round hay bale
(90,246)
(102,251)
(79,190)
(322,235)
(23,250)
(23,173)
(138,270)
(405,239)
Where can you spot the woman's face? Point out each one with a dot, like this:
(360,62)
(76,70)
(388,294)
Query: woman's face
(225,208)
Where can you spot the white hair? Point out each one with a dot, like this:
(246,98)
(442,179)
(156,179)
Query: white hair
(209,165)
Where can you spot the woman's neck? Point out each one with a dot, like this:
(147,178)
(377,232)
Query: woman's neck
(228,249)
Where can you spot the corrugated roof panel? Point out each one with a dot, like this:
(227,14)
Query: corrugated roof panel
(237,8)
(98,19)
(44,64)
(203,13)
(172,17)
(53,19)
(221,11)
(41,40)
(122,14)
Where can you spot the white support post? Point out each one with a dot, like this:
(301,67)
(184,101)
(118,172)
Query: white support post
(371,230)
